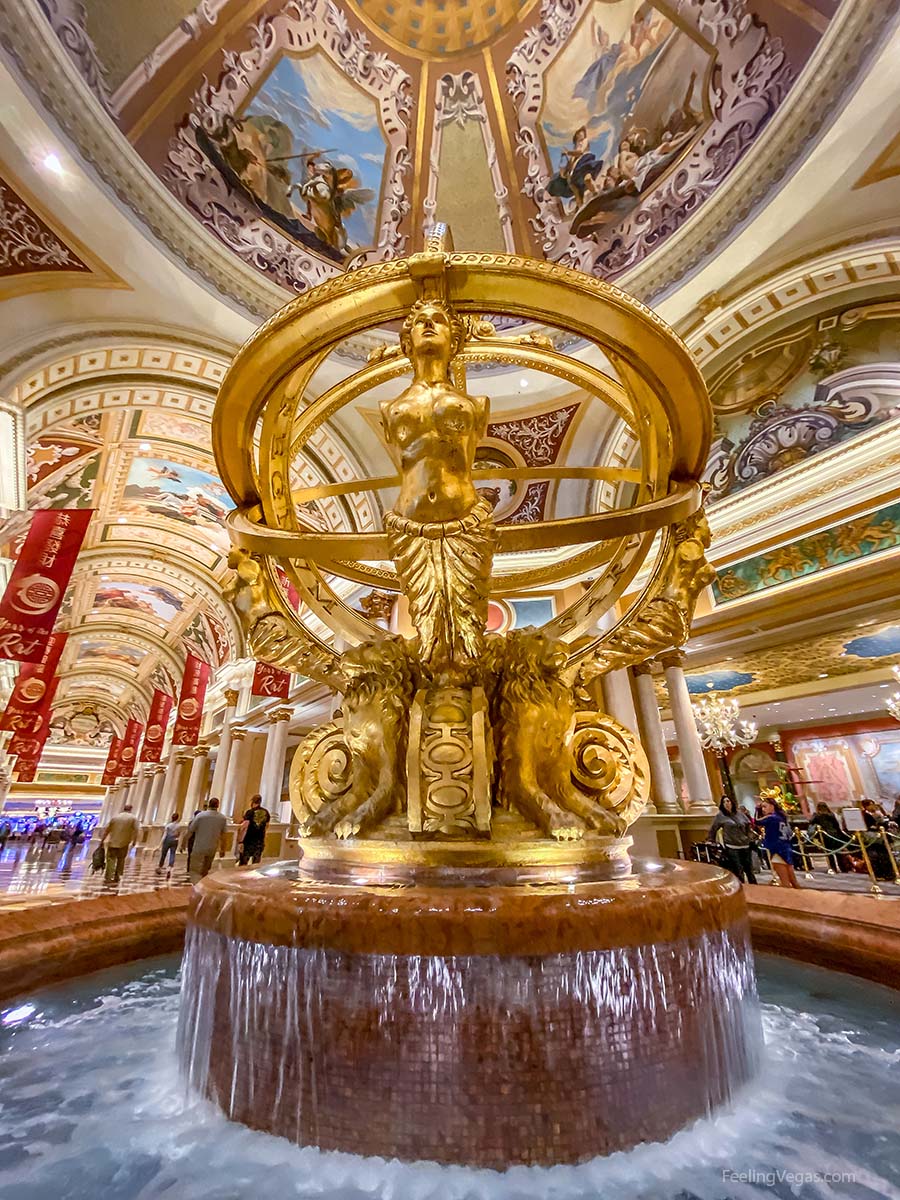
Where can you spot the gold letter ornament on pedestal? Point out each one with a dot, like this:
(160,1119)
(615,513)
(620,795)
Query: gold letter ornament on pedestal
(454,745)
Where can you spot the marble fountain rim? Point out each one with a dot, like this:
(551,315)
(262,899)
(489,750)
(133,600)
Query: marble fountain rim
(683,900)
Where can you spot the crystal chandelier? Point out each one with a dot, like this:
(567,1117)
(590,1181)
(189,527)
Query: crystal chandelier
(719,724)
(893,701)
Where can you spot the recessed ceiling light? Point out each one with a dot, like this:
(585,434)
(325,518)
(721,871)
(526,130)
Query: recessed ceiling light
(121,520)
(523,383)
(144,447)
(52,163)
(824,675)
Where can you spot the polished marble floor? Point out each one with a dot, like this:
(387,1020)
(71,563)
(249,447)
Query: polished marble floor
(30,874)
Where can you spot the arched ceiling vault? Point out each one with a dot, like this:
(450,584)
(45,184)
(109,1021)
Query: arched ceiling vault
(123,427)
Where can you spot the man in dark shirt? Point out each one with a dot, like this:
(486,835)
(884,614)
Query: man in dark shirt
(252,833)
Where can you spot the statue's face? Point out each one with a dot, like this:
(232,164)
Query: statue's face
(431,333)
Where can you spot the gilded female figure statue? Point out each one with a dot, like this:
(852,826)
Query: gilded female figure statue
(441,532)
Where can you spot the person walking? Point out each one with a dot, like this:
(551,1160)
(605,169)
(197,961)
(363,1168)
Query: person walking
(251,839)
(207,829)
(119,836)
(732,829)
(777,841)
(171,837)
(5,831)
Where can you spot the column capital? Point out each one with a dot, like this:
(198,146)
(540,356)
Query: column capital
(238,735)
(642,668)
(231,697)
(200,752)
(184,755)
(280,714)
(671,658)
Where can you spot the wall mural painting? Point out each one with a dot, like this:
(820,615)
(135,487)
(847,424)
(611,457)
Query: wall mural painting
(872,534)
(170,489)
(848,768)
(290,151)
(623,101)
(117,652)
(801,393)
(152,600)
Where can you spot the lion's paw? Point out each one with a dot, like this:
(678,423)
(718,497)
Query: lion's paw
(346,829)
(567,833)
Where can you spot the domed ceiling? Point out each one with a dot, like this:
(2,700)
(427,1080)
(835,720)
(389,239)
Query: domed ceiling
(310,136)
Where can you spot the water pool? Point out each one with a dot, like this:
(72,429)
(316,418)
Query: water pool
(91,1106)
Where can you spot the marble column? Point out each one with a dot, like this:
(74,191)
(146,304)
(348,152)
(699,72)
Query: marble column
(618,699)
(654,741)
(235,798)
(141,794)
(127,792)
(199,777)
(273,762)
(158,774)
(176,782)
(107,805)
(689,746)
(220,772)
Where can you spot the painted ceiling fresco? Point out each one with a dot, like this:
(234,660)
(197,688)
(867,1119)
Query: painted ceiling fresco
(311,135)
(802,392)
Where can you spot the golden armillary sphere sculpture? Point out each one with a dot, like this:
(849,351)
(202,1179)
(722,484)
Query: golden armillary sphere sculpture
(453,738)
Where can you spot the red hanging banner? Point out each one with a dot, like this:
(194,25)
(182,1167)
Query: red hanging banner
(190,702)
(40,577)
(31,719)
(130,743)
(29,742)
(111,770)
(34,687)
(270,681)
(25,769)
(160,708)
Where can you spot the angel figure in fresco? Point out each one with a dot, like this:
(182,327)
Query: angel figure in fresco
(330,193)
(578,171)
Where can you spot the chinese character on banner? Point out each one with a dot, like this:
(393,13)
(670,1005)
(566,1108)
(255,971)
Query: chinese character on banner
(270,681)
(130,743)
(33,596)
(160,708)
(111,770)
(190,702)
(34,686)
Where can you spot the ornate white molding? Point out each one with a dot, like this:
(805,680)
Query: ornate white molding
(837,276)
